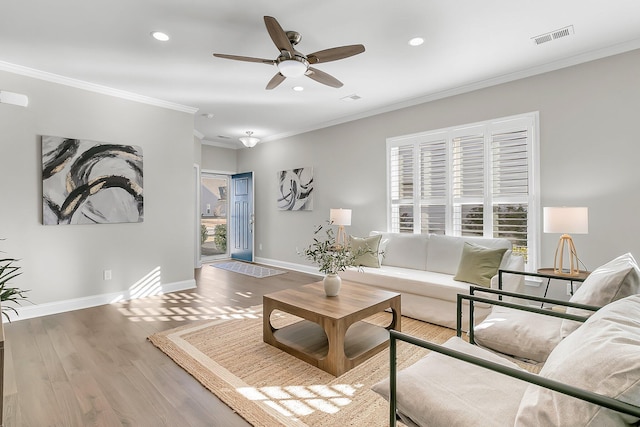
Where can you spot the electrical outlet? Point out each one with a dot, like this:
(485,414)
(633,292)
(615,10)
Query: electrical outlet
(106,275)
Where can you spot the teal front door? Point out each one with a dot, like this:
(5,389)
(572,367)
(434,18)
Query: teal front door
(241,218)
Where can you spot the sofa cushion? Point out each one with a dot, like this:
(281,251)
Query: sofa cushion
(478,264)
(602,356)
(409,281)
(405,250)
(518,333)
(445,251)
(372,243)
(612,281)
(439,390)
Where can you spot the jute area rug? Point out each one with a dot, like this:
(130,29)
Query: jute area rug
(269,387)
(248,269)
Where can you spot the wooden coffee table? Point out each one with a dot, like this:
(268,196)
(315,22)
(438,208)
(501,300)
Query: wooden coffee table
(332,335)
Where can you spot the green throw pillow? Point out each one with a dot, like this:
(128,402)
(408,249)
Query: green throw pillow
(372,243)
(478,264)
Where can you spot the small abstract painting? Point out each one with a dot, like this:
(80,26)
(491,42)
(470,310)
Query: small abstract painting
(88,182)
(295,189)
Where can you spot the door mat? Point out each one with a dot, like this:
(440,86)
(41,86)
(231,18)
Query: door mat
(248,269)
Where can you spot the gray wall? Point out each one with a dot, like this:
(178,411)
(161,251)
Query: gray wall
(589,152)
(218,159)
(67,262)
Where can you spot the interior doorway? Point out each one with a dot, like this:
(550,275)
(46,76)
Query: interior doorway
(214,208)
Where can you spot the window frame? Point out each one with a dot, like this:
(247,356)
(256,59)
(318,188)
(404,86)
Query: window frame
(528,122)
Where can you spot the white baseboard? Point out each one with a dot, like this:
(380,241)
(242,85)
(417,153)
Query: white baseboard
(38,310)
(309,269)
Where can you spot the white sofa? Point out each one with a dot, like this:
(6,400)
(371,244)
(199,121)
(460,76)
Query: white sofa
(422,267)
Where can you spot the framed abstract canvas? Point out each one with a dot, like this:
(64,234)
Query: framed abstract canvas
(88,182)
(295,189)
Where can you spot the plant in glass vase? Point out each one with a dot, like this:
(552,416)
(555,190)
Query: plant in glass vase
(332,258)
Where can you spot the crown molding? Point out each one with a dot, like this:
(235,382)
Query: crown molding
(92,87)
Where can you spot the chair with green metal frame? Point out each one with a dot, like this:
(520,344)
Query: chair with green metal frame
(459,383)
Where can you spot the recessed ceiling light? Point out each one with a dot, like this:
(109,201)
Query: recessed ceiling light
(298,88)
(416,41)
(160,36)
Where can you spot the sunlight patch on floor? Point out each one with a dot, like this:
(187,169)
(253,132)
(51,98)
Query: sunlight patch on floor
(293,401)
(178,306)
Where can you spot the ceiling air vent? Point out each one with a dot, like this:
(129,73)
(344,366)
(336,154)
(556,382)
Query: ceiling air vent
(352,97)
(553,35)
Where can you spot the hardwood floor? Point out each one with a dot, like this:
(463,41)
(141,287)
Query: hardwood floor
(95,367)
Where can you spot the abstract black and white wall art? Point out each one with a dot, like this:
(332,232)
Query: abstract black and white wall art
(88,182)
(295,189)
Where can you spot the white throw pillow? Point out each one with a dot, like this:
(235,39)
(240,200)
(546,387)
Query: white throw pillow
(612,281)
(602,356)
(518,333)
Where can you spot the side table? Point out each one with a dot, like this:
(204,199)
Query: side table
(549,274)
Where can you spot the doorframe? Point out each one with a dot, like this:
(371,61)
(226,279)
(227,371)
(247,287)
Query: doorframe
(197,262)
(200,172)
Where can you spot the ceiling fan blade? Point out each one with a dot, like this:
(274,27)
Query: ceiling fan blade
(335,53)
(244,58)
(275,81)
(277,34)
(322,77)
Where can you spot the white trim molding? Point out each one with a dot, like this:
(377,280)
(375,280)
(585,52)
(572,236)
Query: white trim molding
(46,309)
(105,90)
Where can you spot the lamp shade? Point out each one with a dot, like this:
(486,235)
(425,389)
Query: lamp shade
(566,220)
(340,216)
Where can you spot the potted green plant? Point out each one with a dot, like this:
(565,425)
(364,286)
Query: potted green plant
(9,271)
(332,258)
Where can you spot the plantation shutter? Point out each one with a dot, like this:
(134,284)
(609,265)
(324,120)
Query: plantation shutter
(433,186)
(471,180)
(468,177)
(510,177)
(401,183)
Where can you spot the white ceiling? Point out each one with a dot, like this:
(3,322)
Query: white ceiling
(468,44)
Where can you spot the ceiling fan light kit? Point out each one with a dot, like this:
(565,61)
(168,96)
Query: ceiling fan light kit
(292,63)
(293,67)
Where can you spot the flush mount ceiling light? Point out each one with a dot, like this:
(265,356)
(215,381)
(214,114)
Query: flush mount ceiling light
(160,36)
(249,141)
(416,41)
(298,88)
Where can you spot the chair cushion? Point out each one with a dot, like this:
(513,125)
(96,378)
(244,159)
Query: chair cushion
(518,333)
(478,264)
(372,243)
(612,281)
(442,391)
(602,356)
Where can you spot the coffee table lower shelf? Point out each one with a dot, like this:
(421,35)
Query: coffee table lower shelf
(310,343)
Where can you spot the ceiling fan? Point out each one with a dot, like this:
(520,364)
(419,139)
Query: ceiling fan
(292,63)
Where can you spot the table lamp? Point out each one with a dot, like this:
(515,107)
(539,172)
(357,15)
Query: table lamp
(340,217)
(566,220)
